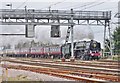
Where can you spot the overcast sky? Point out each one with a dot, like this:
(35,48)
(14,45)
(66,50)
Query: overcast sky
(79,30)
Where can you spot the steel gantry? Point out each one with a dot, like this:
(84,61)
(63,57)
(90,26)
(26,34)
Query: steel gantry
(46,17)
(68,18)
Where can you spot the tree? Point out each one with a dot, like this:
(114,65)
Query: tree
(116,38)
(25,44)
(32,43)
(7,46)
(18,46)
(107,45)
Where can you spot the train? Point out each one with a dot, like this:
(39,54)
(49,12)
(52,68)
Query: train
(84,50)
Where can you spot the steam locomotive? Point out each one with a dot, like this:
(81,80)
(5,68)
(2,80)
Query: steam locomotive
(84,50)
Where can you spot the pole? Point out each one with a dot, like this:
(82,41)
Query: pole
(26,33)
(26,13)
(11,6)
(110,40)
(49,8)
(104,39)
(10,9)
(72,37)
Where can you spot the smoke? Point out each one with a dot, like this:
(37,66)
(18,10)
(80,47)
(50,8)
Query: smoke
(89,33)
(42,34)
(83,32)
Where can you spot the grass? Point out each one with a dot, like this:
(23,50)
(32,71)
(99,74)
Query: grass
(17,78)
(20,78)
(116,57)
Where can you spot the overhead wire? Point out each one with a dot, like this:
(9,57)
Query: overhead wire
(54,4)
(22,4)
(84,5)
(90,5)
(93,5)
(78,5)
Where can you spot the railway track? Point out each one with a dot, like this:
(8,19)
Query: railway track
(59,73)
(101,74)
(65,65)
(79,64)
(104,62)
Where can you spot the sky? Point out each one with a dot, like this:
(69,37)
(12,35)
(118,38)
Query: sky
(79,30)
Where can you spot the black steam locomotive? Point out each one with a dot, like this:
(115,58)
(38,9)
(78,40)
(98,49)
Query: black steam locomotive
(85,50)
